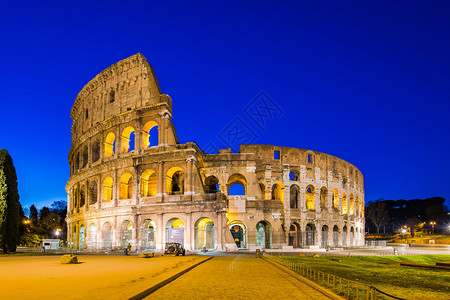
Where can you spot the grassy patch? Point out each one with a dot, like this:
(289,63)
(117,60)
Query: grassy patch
(401,281)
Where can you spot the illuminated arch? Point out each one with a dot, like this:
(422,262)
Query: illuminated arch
(278,191)
(126,186)
(212,184)
(148,183)
(323,196)
(127,137)
(352,205)
(239,233)
(150,135)
(335,198)
(204,233)
(175,181)
(237,179)
(107,189)
(110,144)
(93,193)
(344,203)
(310,197)
(126,231)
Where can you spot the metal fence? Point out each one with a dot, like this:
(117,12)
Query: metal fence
(349,289)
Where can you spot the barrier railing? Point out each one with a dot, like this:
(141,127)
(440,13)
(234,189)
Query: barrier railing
(349,289)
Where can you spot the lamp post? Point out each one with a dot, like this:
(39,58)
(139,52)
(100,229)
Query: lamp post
(404,230)
(432,223)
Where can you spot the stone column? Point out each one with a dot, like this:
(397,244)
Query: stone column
(160,185)
(135,239)
(161,229)
(99,235)
(136,189)
(187,232)
(115,190)
(317,201)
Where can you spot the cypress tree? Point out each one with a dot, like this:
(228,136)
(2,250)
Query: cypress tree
(9,204)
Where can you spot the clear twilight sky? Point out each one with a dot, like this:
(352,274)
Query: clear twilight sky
(366,81)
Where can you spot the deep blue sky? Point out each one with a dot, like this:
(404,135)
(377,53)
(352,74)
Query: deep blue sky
(367,82)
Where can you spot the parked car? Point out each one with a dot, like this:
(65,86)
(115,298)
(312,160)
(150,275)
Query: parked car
(174,248)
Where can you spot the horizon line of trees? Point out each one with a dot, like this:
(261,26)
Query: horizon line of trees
(388,216)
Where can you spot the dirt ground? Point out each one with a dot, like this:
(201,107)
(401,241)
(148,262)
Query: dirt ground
(95,277)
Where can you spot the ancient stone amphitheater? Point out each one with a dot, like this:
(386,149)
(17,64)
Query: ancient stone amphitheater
(131,181)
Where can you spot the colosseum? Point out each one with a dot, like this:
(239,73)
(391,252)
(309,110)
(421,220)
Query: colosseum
(131,181)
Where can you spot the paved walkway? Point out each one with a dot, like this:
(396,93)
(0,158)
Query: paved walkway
(236,277)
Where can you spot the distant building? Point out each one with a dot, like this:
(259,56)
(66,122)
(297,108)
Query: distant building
(51,244)
(132,182)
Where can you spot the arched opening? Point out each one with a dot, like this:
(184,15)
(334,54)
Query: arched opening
(212,184)
(175,181)
(150,135)
(238,232)
(264,235)
(175,231)
(127,140)
(126,231)
(95,152)
(344,236)
(204,234)
(126,186)
(324,243)
(357,206)
(148,183)
(237,185)
(323,196)
(352,236)
(295,235)
(352,205)
(77,161)
(335,236)
(82,236)
(310,197)
(335,198)
(93,193)
(148,235)
(278,191)
(75,198)
(294,192)
(294,174)
(107,189)
(262,187)
(82,196)
(91,240)
(344,204)
(107,236)
(110,145)
(310,234)
(85,156)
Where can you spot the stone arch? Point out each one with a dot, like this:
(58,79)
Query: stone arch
(126,186)
(126,233)
(127,140)
(175,181)
(237,179)
(262,187)
(344,203)
(295,237)
(95,151)
(175,231)
(91,237)
(110,145)
(310,197)
(278,191)
(149,182)
(204,234)
(85,156)
(335,198)
(82,235)
(93,192)
(239,233)
(323,196)
(324,242)
(310,232)
(107,236)
(264,234)
(211,184)
(82,195)
(148,234)
(150,135)
(107,189)
(335,236)
(352,236)
(344,236)
(77,161)
(294,195)
(352,205)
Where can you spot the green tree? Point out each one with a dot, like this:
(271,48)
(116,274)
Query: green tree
(10,207)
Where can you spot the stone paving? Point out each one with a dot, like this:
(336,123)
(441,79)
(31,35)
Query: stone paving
(237,277)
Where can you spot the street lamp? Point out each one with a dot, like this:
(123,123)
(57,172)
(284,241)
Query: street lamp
(432,223)
(57,232)
(404,230)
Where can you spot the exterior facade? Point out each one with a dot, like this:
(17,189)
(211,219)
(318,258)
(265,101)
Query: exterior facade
(132,182)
